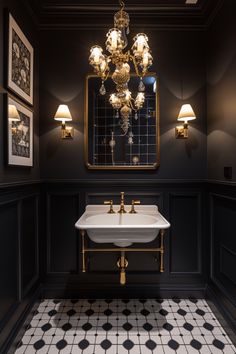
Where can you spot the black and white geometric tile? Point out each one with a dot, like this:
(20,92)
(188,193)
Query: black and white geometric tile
(155,326)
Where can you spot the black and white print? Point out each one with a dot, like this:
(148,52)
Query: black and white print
(128,326)
(20,135)
(20,62)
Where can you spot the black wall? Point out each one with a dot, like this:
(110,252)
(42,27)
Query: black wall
(19,201)
(221,87)
(16,174)
(179,59)
(221,147)
(69,186)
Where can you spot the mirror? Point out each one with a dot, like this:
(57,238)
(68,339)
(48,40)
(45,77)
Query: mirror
(107,146)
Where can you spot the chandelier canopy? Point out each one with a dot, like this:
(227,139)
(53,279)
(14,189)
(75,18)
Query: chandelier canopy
(116,65)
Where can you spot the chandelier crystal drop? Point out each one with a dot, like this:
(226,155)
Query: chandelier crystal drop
(117,66)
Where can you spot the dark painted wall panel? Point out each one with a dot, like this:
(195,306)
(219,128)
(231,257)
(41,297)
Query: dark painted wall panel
(179,62)
(146,198)
(224,241)
(29,241)
(8,258)
(24,19)
(62,235)
(63,253)
(18,255)
(227,264)
(221,70)
(185,233)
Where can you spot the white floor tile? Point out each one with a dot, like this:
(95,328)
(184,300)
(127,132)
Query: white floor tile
(30,350)
(137,334)
(21,350)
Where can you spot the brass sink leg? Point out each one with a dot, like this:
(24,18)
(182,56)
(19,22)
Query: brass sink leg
(83,252)
(162,251)
(122,265)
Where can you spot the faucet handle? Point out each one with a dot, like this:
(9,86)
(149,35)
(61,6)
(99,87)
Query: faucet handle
(134,202)
(109,202)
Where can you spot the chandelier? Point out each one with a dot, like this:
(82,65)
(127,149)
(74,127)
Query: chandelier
(117,66)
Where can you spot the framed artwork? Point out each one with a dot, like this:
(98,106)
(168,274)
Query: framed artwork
(20,62)
(20,133)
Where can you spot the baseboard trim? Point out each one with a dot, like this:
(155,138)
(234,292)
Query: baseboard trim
(20,323)
(117,291)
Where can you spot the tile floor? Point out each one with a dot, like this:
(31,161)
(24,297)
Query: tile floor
(125,327)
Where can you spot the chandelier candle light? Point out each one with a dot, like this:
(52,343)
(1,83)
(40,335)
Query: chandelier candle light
(140,55)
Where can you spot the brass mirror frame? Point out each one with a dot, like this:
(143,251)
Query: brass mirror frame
(121,168)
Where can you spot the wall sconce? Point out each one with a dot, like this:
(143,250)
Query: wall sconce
(63,115)
(13,116)
(186,113)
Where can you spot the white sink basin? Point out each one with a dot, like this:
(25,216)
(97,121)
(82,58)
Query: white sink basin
(122,229)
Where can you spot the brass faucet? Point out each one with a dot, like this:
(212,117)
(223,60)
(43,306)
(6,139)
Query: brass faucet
(122,203)
(109,202)
(134,202)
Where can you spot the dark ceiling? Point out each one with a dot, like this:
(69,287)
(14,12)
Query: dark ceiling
(97,14)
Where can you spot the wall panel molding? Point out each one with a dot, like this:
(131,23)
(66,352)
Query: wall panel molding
(30,232)
(227,263)
(61,232)
(14,294)
(150,197)
(103,269)
(223,244)
(181,237)
(9,259)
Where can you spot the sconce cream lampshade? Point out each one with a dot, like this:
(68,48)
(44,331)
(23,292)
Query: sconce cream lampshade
(13,114)
(186,114)
(63,115)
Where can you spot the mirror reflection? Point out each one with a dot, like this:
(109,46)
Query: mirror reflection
(111,145)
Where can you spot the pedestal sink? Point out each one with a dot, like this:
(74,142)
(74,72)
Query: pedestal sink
(122,229)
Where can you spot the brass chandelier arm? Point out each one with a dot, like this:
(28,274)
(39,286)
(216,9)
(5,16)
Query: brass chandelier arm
(131,104)
(126,57)
(103,76)
(136,66)
(107,74)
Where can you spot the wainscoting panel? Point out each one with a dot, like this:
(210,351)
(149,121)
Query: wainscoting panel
(62,237)
(223,216)
(185,233)
(145,198)
(19,256)
(9,258)
(181,203)
(29,243)
(227,264)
